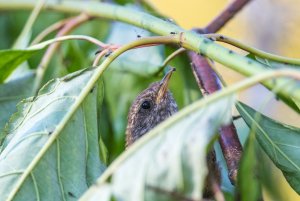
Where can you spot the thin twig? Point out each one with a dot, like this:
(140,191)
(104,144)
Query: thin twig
(171,56)
(68,27)
(48,30)
(99,56)
(69,37)
(257,52)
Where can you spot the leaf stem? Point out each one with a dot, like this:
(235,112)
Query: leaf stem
(169,58)
(48,30)
(257,52)
(43,66)
(65,38)
(99,56)
(173,55)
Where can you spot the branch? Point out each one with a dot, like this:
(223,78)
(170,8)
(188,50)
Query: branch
(50,29)
(225,16)
(189,40)
(208,83)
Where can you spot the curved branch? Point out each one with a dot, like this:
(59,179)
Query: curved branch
(189,40)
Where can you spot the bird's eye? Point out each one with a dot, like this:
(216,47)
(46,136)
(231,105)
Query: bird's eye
(146,105)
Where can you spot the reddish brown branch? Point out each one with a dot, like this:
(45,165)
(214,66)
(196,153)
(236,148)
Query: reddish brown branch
(231,148)
(209,83)
(206,77)
(225,16)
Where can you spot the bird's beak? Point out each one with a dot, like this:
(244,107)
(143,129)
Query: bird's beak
(164,85)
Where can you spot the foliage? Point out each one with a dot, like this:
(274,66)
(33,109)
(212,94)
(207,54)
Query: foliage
(62,124)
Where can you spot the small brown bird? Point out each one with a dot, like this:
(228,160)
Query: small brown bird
(151,107)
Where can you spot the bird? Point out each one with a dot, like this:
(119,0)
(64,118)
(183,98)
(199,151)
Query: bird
(151,107)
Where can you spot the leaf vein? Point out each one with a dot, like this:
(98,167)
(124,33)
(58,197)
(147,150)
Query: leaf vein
(35,187)
(58,171)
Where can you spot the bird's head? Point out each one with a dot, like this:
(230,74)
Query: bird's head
(152,106)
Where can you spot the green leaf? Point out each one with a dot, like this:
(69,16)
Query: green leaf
(297,103)
(103,153)
(74,58)
(10,94)
(280,142)
(169,162)
(11,59)
(248,184)
(141,61)
(38,163)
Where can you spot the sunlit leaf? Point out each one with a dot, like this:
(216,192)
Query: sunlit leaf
(280,142)
(39,163)
(170,165)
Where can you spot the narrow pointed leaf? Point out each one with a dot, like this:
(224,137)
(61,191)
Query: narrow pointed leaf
(11,59)
(248,185)
(70,163)
(170,163)
(281,142)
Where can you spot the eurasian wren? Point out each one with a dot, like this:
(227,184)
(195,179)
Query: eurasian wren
(151,107)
